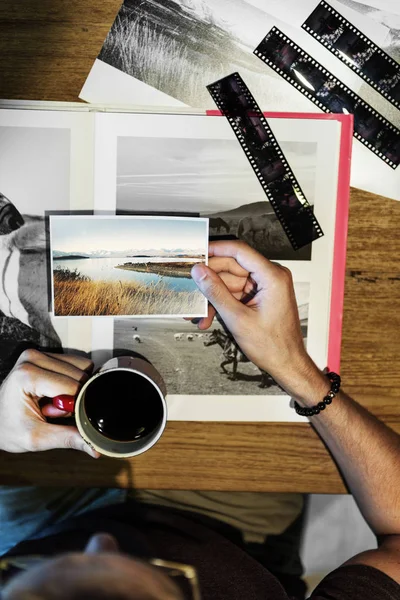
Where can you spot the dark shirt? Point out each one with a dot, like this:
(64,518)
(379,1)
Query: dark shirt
(225,571)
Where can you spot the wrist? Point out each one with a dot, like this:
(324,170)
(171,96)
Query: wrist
(307,386)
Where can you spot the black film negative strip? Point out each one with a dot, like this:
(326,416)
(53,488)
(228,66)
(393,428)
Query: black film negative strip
(280,185)
(356,50)
(316,83)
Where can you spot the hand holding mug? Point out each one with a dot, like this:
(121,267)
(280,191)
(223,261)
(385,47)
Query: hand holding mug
(256,300)
(36,375)
(121,410)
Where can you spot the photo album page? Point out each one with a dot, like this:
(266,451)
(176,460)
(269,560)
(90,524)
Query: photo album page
(172,180)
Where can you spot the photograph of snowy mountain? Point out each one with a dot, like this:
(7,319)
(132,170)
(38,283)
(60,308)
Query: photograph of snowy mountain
(149,278)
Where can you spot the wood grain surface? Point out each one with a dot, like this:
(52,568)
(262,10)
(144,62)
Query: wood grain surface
(46,51)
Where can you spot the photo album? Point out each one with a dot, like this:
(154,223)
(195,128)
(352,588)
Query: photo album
(308,56)
(104,212)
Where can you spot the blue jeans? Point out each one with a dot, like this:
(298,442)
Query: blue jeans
(26,511)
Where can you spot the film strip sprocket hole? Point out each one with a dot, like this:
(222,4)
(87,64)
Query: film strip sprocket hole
(318,85)
(355,50)
(255,136)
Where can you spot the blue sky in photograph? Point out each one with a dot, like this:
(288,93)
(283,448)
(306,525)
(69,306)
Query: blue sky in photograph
(86,234)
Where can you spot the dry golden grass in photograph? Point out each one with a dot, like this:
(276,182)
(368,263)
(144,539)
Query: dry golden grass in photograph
(78,295)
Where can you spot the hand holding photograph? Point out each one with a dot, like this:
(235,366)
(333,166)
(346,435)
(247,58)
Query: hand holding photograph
(127,265)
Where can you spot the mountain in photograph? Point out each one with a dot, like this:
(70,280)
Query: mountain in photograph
(131,253)
(256,208)
(59,255)
(258,225)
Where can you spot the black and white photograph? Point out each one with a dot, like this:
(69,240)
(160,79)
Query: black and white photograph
(257,225)
(34,177)
(180,46)
(212,178)
(194,362)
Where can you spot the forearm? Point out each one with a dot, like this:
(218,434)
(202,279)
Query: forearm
(366,451)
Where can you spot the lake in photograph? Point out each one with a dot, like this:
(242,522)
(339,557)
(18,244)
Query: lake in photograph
(103,269)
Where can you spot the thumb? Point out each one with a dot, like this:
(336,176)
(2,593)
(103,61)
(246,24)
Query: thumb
(63,436)
(215,290)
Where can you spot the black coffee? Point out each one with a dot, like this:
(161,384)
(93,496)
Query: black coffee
(123,406)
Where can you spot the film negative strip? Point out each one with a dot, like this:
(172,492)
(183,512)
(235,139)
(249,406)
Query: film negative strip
(316,83)
(356,50)
(255,136)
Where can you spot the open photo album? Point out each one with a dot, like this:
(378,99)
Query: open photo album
(66,178)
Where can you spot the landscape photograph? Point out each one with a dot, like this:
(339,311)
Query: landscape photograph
(213,178)
(258,225)
(181,46)
(194,362)
(126,265)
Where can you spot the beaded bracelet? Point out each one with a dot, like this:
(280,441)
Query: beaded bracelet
(305,411)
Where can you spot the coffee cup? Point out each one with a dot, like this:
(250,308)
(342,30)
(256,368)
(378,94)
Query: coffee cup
(121,410)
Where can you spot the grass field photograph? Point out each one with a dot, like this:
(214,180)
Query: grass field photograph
(194,362)
(126,265)
(181,46)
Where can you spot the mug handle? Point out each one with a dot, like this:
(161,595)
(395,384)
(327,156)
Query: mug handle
(64,402)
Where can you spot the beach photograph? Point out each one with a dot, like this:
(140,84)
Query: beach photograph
(126,265)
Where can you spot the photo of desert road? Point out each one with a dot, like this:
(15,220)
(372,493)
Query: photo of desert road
(127,265)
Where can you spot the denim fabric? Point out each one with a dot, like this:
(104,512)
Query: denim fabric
(26,511)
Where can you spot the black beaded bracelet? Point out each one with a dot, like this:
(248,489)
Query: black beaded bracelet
(305,411)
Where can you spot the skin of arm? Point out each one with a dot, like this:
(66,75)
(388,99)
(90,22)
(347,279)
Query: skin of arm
(367,453)
(268,331)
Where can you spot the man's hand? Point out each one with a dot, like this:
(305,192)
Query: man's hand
(256,300)
(35,376)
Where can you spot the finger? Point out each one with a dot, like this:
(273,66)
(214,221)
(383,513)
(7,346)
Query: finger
(51,362)
(242,288)
(233,283)
(247,257)
(216,292)
(41,383)
(48,410)
(206,322)
(249,291)
(80,362)
(62,436)
(227,264)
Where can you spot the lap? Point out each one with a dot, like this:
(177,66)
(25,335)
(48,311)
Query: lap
(26,511)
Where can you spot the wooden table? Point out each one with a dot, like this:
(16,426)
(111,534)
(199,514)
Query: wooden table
(46,51)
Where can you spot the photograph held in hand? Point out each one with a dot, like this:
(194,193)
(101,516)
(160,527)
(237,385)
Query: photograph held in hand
(126,265)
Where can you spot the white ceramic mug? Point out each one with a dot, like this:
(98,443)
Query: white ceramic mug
(102,442)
